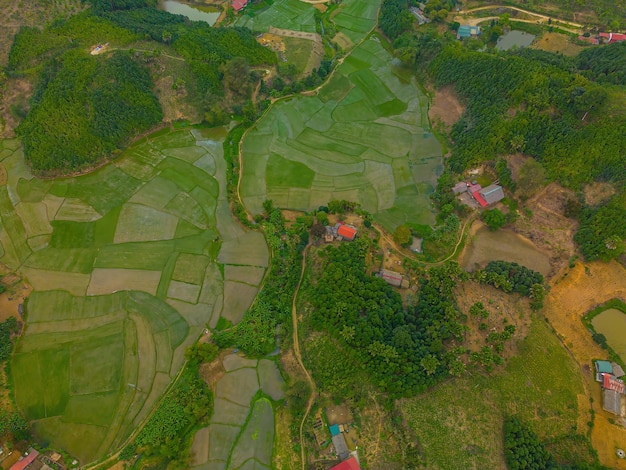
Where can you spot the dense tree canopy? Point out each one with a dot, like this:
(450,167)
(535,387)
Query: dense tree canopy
(84,109)
(403,351)
(602,229)
(522,448)
(512,277)
(604,64)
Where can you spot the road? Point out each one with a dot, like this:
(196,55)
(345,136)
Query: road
(568,26)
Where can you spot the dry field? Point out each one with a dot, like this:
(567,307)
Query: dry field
(445,109)
(557,43)
(573,293)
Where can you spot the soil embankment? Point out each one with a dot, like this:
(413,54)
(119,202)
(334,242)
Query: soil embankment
(572,294)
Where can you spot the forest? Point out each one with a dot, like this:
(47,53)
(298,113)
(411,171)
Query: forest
(86,107)
(403,351)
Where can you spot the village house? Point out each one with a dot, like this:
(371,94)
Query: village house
(340,231)
(349,464)
(483,196)
(239,5)
(607,374)
(393,278)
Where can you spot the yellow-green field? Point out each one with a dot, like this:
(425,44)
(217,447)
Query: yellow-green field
(125,268)
(364,137)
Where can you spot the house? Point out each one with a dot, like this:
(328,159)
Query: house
(610,38)
(460,187)
(349,464)
(492,193)
(467,31)
(28,458)
(347,232)
(417,245)
(612,402)
(340,446)
(238,5)
(334,430)
(617,369)
(594,41)
(393,278)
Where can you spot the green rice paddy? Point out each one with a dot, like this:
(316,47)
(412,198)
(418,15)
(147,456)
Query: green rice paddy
(241,432)
(125,268)
(364,137)
(285,14)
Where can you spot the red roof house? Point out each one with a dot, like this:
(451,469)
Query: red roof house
(612,37)
(349,464)
(26,461)
(611,383)
(239,4)
(347,231)
(480,199)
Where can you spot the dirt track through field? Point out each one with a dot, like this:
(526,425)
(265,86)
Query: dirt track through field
(573,293)
(296,350)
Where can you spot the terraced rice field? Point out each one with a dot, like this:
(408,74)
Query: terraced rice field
(286,14)
(125,265)
(355,18)
(364,137)
(241,432)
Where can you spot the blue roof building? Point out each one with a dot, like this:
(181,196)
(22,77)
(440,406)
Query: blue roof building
(334,430)
(604,367)
(466,31)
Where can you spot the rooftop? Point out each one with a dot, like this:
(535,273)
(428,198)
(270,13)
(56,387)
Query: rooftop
(26,461)
(612,401)
(347,231)
(340,446)
(349,464)
(604,367)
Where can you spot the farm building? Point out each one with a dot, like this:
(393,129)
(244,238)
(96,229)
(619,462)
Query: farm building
(28,458)
(347,232)
(340,232)
(460,187)
(612,402)
(492,193)
(466,31)
(349,464)
(609,382)
(393,278)
(417,245)
(603,367)
(617,369)
(238,5)
(334,430)
(610,38)
(419,15)
(340,446)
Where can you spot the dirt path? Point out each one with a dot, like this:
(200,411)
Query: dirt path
(296,350)
(568,26)
(466,226)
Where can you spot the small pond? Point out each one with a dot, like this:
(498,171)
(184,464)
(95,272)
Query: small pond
(194,12)
(503,245)
(612,324)
(513,39)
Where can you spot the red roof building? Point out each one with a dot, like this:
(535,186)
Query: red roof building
(612,37)
(590,40)
(611,383)
(349,464)
(26,461)
(239,4)
(346,231)
(480,199)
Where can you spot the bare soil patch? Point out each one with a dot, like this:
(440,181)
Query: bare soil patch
(445,108)
(573,293)
(504,309)
(212,372)
(597,193)
(547,227)
(558,43)
(13,102)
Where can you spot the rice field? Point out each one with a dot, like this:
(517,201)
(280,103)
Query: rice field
(241,432)
(286,14)
(125,265)
(364,137)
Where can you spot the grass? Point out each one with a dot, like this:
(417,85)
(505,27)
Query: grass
(124,269)
(297,52)
(540,384)
(257,439)
(365,137)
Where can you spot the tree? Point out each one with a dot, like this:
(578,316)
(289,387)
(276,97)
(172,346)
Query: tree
(523,449)
(322,218)
(494,218)
(318,230)
(402,235)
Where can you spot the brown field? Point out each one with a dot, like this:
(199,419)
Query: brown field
(107,281)
(41,279)
(558,43)
(573,293)
(445,109)
(547,227)
(17,291)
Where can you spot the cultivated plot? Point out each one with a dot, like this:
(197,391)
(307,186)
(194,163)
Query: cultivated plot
(286,14)
(364,137)
(124,265)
